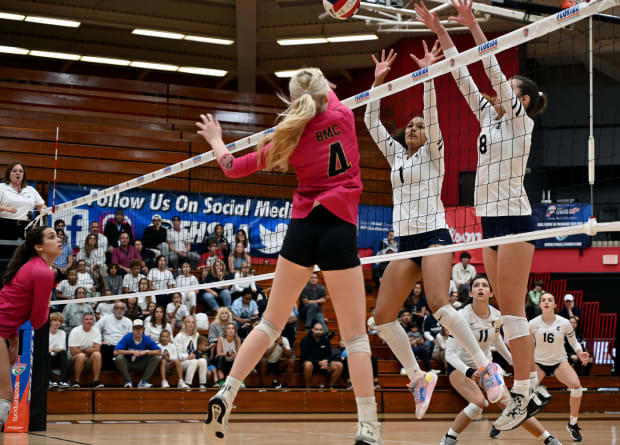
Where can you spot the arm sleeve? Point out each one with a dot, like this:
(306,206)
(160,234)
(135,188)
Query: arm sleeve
(431,120)
(43,283)
(569,333)
(502,349)
(428,336)
(453,358)
(468,87)
(386,144)
(503,89)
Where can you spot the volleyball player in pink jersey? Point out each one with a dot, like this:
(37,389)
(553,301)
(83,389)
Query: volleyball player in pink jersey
(27,287)
(317,138)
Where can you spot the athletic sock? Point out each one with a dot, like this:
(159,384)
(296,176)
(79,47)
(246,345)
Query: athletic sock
(5,407)
(534,379)
(230,389)
(457,326)
(366,409)
(521,387)
(544,436)
(398,341)
(453,433)
(573,420)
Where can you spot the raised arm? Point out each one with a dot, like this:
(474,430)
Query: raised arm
(386,144)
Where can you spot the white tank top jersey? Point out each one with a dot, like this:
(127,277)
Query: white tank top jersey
(228,347)
(549,340)
(416,180)
(503,145)
(486,331)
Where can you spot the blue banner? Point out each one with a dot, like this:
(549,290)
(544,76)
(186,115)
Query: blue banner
(549,216)
(265,220)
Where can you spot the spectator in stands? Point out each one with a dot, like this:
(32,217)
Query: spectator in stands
(290,328)
(133,311)
(59,224)
(156,323)
(113,281)
(67,287)
(125,253)
(238,289)
(105,307)
(85,279)
(405,319)
(316,357)
(439,350)
(211,255)
(533,300)
(341,355)
(573,359)
(113,328)
(312,298)
(113,229)
(94,256)
(238,257)
(93,229)
(131,281)
(419,350)
(148,257)
(202,353)
(187,279)
(379,268)
(389,241)
(463,273)
(242,237)
(137,352)
(220,239)
(244,312)
(215,296)
(455,301)
(147,304)
(58,350)
(278,358)
(74,313)
(186,342)
(227,347)
(169,360)
(416,303)
(161,278)
(218,327)
(150,308)
(176,310)
(431,330)
(84,345)
(156,237)
(569,310)
(64,262)
(180,246)
(370,323)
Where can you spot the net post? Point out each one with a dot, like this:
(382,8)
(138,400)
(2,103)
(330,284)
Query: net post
(591,145)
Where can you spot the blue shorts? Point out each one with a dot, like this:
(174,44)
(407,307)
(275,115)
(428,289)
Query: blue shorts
(494,226)
(424,240)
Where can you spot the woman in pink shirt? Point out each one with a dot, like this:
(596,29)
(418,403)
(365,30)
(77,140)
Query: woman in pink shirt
(317,138)
(28,284)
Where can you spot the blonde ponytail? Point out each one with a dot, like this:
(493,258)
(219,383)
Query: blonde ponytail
(308,89)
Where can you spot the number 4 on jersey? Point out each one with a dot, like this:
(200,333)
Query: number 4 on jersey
(338,162)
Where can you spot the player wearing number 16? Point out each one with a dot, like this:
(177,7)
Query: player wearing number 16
(317,138)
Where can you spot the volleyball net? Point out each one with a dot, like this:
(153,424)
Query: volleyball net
(571,55)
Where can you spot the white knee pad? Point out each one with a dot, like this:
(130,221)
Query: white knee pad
(576,392)
(472,411)
(515,327)
(358,344)
(269,329)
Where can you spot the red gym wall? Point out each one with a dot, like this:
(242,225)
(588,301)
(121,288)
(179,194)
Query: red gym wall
(458,125)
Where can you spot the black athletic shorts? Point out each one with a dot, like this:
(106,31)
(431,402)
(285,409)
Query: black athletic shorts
(494,226)
(449,369)
(424,240)
(549,369)
(323,239)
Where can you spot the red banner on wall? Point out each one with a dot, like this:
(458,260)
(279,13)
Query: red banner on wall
(465,227)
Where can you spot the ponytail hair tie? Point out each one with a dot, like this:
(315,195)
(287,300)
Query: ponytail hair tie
(540,94)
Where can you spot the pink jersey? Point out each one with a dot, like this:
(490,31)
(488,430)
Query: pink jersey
(326,161)
(27,297)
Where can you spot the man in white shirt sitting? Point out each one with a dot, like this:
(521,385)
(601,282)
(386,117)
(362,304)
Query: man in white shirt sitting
(463,273)
(277,358)
(85,345)
(93,228)
(113,328)
(180,244)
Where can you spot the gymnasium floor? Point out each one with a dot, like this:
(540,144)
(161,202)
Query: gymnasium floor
(316,429)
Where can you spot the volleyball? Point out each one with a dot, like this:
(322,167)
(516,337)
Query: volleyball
(341,9)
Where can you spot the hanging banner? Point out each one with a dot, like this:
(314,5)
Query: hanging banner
(549,216)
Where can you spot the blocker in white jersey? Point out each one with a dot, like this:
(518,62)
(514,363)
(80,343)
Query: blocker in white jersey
(416,179)
(549,339)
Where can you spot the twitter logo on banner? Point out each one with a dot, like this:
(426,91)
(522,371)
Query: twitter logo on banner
(272,240)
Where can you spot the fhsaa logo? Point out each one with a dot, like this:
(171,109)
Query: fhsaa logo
(17,370)
(526,33)
(452,62)
(551,210)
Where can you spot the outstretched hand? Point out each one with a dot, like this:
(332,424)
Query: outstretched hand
(430,19)
(584,357)
(430,57)
(466,15)
(209,128)
(383,66)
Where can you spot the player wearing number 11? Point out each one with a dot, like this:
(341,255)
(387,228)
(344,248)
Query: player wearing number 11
(317,138)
